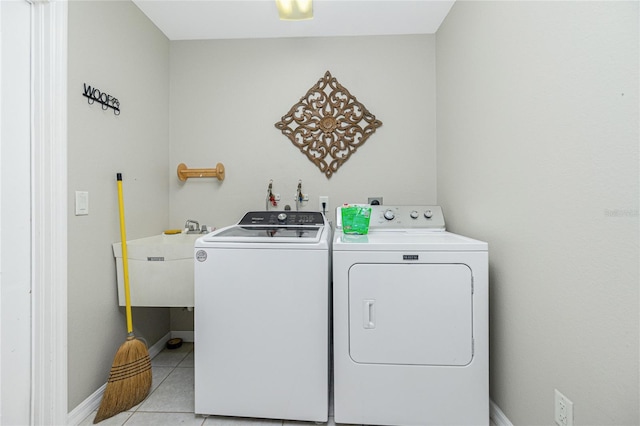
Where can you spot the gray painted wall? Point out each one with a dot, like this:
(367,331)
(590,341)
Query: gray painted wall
(538,155)
(226,96)
(114,47)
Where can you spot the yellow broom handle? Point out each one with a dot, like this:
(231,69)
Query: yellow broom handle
(125,260)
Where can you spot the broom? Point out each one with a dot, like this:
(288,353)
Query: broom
(130,378)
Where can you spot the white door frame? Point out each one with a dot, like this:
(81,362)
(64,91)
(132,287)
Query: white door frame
(49,211)
(15,212)
(44,340)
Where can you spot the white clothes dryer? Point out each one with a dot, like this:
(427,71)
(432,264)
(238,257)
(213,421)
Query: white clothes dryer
(410,322)
(262,317)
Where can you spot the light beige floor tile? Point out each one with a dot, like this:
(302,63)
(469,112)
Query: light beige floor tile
(116,420)
(172,357)
(164,419)
(158,374)
(175,394)
(188,361)
(331,422)
(186,347)
(239,421)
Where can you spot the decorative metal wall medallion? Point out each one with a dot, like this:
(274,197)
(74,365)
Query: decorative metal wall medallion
(328,124)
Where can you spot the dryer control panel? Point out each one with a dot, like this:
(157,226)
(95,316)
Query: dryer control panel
(402,217)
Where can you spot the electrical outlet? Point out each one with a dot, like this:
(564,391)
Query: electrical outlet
(375,201)
(323,199)
(563,410)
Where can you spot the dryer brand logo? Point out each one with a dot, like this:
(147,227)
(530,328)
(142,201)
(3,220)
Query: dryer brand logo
(410,257)
(201,255)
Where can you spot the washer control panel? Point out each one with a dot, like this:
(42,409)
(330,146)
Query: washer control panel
(282,218)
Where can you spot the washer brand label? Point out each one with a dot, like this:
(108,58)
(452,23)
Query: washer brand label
(409,257)
(155,259)
(201,255)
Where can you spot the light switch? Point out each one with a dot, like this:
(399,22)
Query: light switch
(82,203)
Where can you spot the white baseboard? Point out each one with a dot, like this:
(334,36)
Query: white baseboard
(86,407)
(496,415)
(159,345)
(91,404)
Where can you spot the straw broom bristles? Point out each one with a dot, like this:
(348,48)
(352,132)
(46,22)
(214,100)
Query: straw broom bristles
(129,381)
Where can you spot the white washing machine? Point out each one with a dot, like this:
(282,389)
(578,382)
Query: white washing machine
(262,317)
(410,322)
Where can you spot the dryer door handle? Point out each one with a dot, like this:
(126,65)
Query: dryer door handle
(369,313)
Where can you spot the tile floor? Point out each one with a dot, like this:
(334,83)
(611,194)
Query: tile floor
(170,401)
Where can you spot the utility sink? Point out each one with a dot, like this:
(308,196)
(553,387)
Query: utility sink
(160,270)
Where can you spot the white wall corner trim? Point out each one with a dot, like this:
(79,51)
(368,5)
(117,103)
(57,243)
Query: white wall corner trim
(497,417)
(49,211)
(91,404)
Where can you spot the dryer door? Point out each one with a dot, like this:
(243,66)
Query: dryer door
(415,314)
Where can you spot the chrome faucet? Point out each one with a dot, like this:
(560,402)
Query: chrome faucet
(192,226)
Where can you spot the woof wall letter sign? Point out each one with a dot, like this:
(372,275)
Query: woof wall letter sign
(95,95)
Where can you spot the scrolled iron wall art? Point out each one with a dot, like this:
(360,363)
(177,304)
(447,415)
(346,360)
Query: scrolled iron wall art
(107,101)
(328,124)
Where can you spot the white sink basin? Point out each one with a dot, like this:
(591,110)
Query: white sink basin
(160,270)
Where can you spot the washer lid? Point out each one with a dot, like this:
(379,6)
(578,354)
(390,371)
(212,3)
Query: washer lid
(271,227)
(238,236)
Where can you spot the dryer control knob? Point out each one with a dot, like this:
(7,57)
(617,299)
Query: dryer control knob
(428,214)
(414,214)
(282,217)
(389,215)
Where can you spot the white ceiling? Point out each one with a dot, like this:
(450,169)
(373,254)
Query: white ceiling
(226,19)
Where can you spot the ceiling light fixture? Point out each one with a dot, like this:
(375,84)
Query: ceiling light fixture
(295,10)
